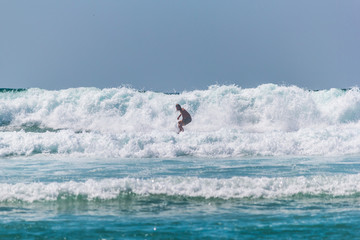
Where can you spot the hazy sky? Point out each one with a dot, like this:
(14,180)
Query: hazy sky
(179,45)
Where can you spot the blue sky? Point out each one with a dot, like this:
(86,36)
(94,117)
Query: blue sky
(179,45)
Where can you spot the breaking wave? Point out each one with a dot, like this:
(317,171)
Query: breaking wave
(228,121)
(233,188)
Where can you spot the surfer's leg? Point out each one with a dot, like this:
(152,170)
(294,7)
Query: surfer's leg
(180,126)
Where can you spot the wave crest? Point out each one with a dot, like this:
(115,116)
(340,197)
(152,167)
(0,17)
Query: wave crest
(233,188)
(227,121)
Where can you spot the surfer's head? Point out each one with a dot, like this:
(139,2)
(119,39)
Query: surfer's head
(178,107)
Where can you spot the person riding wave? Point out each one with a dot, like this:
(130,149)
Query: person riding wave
(186,118)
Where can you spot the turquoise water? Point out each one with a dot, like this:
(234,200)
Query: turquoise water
(183,209)
(271,162)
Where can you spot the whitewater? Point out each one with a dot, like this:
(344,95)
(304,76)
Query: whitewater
(228,121)
(270,162)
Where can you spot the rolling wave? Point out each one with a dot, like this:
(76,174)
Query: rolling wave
(232,188)
(228,121)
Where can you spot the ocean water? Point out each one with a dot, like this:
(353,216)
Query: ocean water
(271,162)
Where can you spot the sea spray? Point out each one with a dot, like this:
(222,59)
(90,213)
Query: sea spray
(228,121)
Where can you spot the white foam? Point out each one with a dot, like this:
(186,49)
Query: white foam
(236,187)
(228,121)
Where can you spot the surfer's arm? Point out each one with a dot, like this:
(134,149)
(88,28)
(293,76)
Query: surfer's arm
(179,116)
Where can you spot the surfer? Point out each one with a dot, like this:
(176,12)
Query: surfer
(186,118)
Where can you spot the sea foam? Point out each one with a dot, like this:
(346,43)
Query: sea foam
(235,187)
(228,121)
